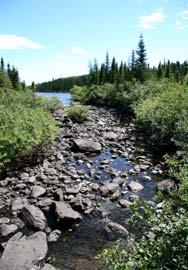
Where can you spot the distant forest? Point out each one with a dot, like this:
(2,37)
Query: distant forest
(62,84)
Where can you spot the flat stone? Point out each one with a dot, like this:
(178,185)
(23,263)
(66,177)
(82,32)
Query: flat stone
(23,253)
(37,191)
(86,145)
(135,186)
(34,217)
(118,180)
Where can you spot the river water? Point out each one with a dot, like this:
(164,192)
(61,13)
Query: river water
(64,97)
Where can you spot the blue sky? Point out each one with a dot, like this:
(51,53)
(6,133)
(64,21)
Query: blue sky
(48,39)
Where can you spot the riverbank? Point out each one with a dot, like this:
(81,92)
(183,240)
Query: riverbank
(94,171)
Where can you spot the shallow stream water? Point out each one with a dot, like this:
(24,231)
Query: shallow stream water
(76,250)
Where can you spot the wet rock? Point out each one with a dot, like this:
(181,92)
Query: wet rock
(54,236)
(34,217)
(23,253)
(86,145)
(117,228)
(135,186)
(109,188)
(65,212)
(79,203)
(165,184)
(44,202)
(6,229)
(118,180)
(37,191)
(18,204)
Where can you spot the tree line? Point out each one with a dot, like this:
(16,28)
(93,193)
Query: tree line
(110,71)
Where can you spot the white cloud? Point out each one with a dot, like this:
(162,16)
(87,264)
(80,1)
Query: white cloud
(78,51)
(150,21)
(182,19)
(13,42)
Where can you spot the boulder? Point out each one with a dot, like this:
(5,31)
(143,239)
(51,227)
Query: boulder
(37,191)
(23,253)
(135,186)
(109,188)
(86,145)
(34,217)
(65,212)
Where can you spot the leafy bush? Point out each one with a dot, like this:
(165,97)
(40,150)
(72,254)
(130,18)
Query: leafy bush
(78,93)
(24,125)
(78,113)
(52,104)
(164,117)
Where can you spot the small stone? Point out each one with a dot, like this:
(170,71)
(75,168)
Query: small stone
(124,202)
(135,186)
(54,236)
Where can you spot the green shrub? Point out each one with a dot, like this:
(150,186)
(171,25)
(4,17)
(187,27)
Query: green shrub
(164,117)
(25,125)
(53,104)
(78,113)
(78,93)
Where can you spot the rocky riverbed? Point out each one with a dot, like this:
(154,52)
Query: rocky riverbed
(79,192)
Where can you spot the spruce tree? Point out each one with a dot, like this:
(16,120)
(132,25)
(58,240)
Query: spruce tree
(141,64)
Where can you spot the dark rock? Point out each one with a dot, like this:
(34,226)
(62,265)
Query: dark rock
(64,212)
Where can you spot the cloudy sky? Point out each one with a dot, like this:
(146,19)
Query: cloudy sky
(48,39)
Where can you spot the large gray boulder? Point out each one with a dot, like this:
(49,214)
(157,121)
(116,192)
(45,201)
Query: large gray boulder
(86,145)
(22,253)
(34,217)
(65,212)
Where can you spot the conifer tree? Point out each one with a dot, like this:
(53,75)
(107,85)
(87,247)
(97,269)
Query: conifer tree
(141,64)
